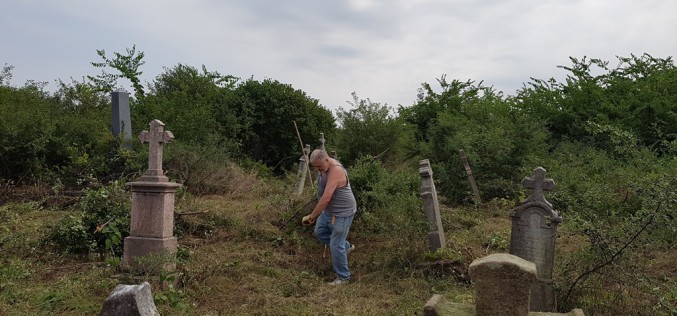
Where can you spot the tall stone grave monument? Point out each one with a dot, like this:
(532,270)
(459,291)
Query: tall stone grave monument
(431,207)
(534,228)
(152,218)
(122,122)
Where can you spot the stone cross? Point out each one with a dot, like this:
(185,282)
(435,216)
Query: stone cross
(538,183)
(431,207)
(156,137)
(151,227)
(534,229)
(322,141)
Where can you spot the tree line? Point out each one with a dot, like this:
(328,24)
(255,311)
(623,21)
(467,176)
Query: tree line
(606,134)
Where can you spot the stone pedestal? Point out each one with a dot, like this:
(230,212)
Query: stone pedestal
(152,221)
(151,229)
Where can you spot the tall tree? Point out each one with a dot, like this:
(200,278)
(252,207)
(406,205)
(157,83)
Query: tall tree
(196,104)
(637,98)
(267,110)
(128,66)
(369,128)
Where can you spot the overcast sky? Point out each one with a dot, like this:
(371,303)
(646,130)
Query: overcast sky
(382,50)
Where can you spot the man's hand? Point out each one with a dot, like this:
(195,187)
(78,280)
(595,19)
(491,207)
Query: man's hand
(307,220)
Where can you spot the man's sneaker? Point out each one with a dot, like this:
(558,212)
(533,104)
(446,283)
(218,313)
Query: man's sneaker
(339,281)
(352,247)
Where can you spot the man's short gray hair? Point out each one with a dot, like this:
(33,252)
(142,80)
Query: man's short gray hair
(318,155)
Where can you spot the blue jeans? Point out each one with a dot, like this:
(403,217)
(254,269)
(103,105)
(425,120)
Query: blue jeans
(335,236)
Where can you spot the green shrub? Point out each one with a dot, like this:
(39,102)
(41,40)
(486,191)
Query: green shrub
(100,222)
(207,170)
(70,235)
(387,202)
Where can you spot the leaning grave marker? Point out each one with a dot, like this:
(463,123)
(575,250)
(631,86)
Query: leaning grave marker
(303,170)
(534,228)
(431,207)
(152,219)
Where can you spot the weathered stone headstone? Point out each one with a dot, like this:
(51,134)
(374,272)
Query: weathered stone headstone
(152,217)
(534,228)
(502,284)
(130,300)
(431,207)
(122,122)
(303,170)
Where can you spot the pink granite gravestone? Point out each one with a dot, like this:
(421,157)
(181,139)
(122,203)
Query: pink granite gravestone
(152,218)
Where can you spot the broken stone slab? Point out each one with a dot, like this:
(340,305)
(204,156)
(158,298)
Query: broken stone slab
(502,287)
(502,284)
(130,300)
(438,306)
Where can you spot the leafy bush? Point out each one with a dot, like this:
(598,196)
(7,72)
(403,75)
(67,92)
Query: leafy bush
(62,136)
(266,112)
(496,139)
(621,202)
(387,202)
(207,170)
(100,222)
(370,128)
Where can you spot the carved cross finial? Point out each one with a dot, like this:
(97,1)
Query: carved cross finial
(322,141)
(155,138)
(538,183)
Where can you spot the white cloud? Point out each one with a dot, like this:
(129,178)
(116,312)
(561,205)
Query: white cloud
(383,50)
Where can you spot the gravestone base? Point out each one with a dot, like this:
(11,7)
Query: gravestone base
(543,297)
(435,241)
(164,249)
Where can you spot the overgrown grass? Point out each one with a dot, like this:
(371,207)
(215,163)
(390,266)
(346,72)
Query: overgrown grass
(246,253)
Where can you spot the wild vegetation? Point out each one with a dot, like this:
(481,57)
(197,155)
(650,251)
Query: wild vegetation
(607,135)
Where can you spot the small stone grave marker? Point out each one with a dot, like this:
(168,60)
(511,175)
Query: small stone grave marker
(130,300)
(534,228)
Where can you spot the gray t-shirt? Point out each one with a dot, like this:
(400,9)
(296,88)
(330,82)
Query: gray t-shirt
(342,202)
